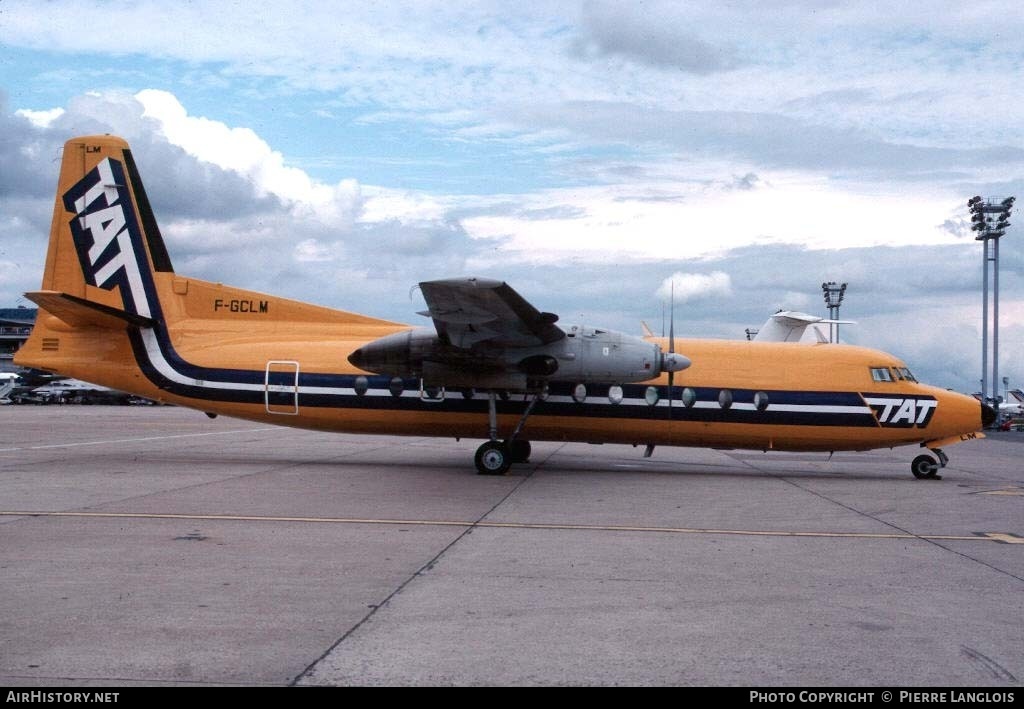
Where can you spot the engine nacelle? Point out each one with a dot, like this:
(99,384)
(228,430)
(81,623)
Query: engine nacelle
(584,355)
(399,355)
(593,355)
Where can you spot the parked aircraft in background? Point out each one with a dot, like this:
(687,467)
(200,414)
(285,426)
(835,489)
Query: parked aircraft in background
(1014,403)
(8,381)
(75,391)
(493,366)
(790,326)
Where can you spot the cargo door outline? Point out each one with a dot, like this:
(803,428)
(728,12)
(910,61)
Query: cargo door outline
(281,387)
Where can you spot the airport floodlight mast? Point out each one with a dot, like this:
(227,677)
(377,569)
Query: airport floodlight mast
(990,218)
(833,293)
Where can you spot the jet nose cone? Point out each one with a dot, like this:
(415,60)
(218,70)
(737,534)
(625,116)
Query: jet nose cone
(988,416)
(356,358)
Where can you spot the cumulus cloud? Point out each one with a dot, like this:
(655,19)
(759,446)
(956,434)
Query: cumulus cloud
(41,119)
(685,287)
(313,250)
(241,151)
(28,153)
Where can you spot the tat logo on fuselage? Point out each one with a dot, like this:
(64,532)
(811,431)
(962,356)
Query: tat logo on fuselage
(106,234)
(902,412)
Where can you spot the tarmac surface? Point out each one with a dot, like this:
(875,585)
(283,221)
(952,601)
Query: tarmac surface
(149,545)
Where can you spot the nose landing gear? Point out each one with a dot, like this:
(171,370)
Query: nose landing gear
(492,458)
(924,466)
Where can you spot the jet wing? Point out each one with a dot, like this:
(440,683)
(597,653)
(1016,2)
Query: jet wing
(474,311)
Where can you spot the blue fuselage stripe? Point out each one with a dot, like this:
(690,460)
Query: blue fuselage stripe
(157,358)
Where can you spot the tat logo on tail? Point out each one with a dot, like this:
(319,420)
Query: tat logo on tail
(107,236)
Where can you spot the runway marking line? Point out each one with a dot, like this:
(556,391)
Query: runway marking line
(999,537)
(136,440)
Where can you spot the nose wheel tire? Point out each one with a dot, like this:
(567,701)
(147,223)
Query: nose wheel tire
(924,466)
(492,458)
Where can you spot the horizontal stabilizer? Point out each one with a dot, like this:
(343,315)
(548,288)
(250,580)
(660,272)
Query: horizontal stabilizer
(79,312)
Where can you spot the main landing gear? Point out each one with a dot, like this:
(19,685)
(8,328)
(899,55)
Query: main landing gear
(924,466)
(495,457)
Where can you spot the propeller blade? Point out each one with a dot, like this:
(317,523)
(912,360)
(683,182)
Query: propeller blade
(672,320)
(671,341)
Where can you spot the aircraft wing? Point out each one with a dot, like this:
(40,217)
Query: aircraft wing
(470,311)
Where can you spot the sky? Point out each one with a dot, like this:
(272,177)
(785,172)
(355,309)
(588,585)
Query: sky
(588,153)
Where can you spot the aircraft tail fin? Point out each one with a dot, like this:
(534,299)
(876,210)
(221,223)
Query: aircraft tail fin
(103,236)
(105,253)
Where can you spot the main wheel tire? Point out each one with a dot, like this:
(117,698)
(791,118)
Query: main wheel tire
(492,458)
(924,466)
(519,450)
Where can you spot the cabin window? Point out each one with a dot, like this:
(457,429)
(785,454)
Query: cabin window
(881,374)
(651,396)
(689,397)
(361,385)
(725,398)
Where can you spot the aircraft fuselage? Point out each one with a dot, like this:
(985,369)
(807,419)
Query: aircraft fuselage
(287,364)
(114,312)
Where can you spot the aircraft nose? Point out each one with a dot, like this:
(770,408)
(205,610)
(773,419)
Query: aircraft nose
(988,415)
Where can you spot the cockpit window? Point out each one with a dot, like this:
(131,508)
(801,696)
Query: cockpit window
(881,374)
(905,374)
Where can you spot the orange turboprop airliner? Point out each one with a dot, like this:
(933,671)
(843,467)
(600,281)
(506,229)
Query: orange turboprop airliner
(114,312)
